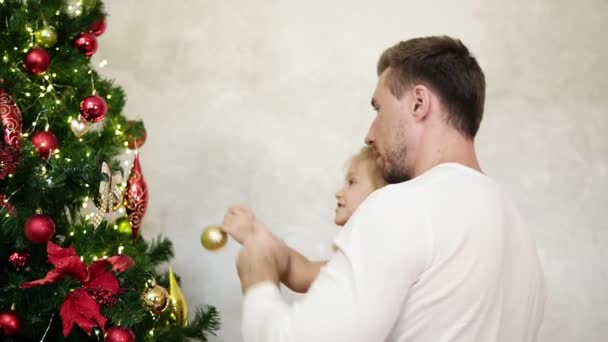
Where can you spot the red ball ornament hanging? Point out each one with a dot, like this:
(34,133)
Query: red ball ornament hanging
(39,229)
(19,260)
(45,143)
(93,108)
(37,61)
(10,323)
(136,197)
(10,126)
(86,43)
(119,334)
(98,27)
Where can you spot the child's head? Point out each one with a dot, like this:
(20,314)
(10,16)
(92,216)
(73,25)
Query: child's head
(363,177)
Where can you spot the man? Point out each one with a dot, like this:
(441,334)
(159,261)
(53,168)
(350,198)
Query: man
(442,257)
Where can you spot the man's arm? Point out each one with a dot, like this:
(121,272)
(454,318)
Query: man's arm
(360,293)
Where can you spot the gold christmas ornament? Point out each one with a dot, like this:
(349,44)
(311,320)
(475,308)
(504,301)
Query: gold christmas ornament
(46,36)
(214,237)
(177,302)
(155,298)
(79,127)
(73,8)
(110,195)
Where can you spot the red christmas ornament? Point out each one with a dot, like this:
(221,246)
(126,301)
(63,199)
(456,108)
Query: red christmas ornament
(93,108)
(119,334)
(138,138)
(10,323)
(37,60)
(10,123)
(45,143)
(11,120)
(98,27)
(18,260)
(39,228)
(86,43)
(98,285)
(136,197)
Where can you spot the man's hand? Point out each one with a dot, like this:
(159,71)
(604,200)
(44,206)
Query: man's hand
(263,257)
(238,223)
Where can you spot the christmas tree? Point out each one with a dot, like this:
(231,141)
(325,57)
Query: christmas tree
(73,265)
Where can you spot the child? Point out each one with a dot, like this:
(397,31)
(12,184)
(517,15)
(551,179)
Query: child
(363,178)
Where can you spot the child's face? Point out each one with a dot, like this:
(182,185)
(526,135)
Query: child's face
(357,186)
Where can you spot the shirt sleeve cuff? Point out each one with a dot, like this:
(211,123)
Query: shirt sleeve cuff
(261,303)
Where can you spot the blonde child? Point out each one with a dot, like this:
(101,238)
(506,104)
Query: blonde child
(362,178)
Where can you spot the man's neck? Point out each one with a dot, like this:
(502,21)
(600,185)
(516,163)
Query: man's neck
(448,146)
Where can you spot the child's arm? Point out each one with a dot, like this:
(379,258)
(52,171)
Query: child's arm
(239,222)
(301,272)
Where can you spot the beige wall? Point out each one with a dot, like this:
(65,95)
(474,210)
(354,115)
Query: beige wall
(261,102)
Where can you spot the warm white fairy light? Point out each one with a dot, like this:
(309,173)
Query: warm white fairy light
(72,233)
(88,154)
(103,63)
(120,249)
(126,144)
(28,94)
(57,102)
(109,97)
(75,70)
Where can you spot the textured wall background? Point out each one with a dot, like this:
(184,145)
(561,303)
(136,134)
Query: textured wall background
(261,102)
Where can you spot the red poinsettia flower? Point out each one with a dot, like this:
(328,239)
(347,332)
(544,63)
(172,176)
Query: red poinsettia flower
(99,285)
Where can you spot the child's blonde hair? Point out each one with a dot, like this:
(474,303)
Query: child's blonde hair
(368,153)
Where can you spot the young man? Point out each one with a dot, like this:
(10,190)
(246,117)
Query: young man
(442,257)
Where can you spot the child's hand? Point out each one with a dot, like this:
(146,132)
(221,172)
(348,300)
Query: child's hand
(239,223)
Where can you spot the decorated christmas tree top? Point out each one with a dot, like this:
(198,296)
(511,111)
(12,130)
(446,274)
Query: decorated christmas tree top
(72,263)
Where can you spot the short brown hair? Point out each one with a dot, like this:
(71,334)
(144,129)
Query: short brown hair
(369,154)
(445,65)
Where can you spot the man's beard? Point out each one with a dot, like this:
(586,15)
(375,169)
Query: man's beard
(394,168)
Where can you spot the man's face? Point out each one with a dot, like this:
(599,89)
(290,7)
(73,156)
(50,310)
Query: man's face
(392,132)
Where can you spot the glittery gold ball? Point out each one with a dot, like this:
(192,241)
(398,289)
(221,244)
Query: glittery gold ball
(214,238)
(46,36)
(156,299)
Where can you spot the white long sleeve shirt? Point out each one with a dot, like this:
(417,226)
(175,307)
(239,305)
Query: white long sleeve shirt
(444,257)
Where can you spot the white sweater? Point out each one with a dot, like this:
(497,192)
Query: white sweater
(443,257)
